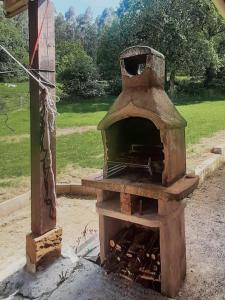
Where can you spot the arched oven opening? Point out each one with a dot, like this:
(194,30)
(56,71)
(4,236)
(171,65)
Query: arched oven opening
(134,150)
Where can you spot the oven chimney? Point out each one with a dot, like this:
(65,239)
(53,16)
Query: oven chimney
(143,115)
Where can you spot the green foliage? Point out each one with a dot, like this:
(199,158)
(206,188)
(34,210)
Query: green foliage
(106,18)
(80,29)
(12,39)
(108,52)
(13,36)
(77,71)
(186,32)
(114,86)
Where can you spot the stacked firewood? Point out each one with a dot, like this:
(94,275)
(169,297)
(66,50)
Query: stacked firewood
(135,255)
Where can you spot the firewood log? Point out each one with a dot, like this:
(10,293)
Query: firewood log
(153,243)
(123,238)
(127,277)
(133,267)
(139,242)
(148,272)
(155,268)
(130,255)
(121,235)
(114,267)
(147,277)
(153,256)
(112,243)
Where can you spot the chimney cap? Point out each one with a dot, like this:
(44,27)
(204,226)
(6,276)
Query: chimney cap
(140,50)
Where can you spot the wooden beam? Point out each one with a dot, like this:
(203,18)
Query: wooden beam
(220,4)
(42,196)
(14,7)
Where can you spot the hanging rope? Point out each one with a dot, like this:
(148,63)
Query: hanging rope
(48,114)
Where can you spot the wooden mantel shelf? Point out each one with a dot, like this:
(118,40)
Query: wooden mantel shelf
(177,191)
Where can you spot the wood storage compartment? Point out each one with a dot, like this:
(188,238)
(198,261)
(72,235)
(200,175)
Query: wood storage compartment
(143,182)
(134,254)
(167,219)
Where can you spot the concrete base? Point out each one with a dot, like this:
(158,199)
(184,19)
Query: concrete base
(41,248)
(24,285)
(68,279)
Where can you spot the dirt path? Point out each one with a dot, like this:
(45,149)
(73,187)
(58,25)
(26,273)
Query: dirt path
(205,222)
(81,129)
(59,132)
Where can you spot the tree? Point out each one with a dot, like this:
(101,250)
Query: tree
(77,71)
(108,51)
(84,20)
(184,31)
(70,15)
(123,7)
(89,40)
(13,39)
(106,18)
(88,33)
(78,29)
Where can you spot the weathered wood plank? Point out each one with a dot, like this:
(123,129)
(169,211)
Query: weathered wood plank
(41,205)
(41,247)
(14,7)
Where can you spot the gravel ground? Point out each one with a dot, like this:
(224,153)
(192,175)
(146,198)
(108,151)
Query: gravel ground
(205,232)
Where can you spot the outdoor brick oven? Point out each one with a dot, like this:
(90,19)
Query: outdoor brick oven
(140,198)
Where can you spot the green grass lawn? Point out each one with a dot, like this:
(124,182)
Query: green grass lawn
(204,119)
(87,112)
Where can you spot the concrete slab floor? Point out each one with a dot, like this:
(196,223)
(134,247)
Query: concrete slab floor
(205,230)
(65,280)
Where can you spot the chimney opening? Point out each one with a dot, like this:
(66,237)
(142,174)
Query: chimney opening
(135,65)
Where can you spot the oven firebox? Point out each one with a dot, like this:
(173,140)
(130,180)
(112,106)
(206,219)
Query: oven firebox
(134,147)
(141,191)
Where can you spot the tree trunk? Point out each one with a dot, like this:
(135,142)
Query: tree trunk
(209,75)
(172,82)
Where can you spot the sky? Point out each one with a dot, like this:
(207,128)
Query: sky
(81,5)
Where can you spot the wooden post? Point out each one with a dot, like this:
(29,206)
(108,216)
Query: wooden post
(45,240)
(43,59)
